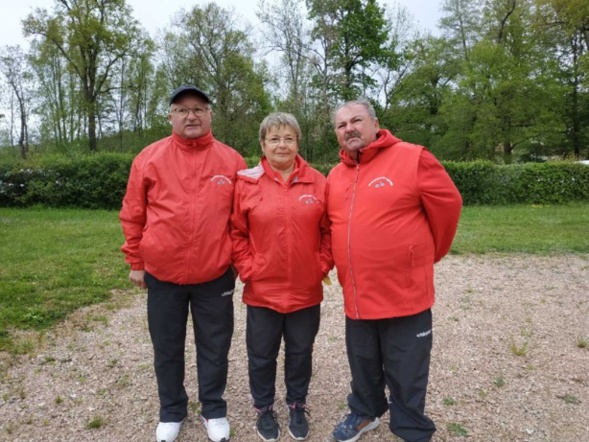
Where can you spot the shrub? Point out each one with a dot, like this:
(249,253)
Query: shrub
(530,183)
(99,181)
(89,182)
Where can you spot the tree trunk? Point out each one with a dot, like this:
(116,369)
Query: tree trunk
(92,126)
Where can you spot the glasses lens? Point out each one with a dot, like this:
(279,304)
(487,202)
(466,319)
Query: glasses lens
(276,141)
(184,111)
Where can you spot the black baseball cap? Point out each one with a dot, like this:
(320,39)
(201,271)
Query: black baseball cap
(188,88)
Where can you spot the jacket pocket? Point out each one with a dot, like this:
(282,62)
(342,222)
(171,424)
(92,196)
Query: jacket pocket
(258,266)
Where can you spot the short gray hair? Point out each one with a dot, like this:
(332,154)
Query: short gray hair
(279,119)
(361,102)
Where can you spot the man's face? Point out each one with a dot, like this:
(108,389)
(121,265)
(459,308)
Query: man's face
(354,128)
(190,116)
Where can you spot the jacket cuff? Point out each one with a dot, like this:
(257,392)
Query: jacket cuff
(137,266)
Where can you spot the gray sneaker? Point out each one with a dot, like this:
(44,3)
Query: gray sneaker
(354,426)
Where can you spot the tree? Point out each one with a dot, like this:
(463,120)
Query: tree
(61,104)
(358,32)
(92,35)
(461,23)
(416,101)
(565,27)
(140,84)
(16,70)
(502,76)
(285,32)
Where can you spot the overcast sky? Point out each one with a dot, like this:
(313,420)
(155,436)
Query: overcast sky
(156,14)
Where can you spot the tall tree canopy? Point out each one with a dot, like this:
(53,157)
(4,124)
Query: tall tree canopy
(92,35)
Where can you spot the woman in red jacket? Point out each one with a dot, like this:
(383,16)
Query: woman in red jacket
(281,249)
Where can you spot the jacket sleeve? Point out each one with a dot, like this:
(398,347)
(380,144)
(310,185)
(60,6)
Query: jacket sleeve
(133,216)
(325,248)
(441,201)
(242,258)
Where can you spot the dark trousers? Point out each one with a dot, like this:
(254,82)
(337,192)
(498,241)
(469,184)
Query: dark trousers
(265,330)
(211,308)
(394,353)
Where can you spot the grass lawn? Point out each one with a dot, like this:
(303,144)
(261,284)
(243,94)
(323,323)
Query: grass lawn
(53,262)
(523,229)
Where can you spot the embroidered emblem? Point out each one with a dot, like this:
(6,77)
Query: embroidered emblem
(221,180)
(309,199)
(381,181)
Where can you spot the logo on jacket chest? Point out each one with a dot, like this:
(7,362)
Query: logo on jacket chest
(309,199)
(381,181)
(221,180)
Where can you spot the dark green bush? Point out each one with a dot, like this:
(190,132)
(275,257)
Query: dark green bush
(529,183)
(89,182)
(98,181)
(553,183)
(475,180)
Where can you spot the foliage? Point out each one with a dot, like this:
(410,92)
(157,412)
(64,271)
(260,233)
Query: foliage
(15,68)
(86,182)
(357,34)
(532,183)
(503,81)
(99,181)
(92,36)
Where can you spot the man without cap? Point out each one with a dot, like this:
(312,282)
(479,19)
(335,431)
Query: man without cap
(175,219)
(394,212)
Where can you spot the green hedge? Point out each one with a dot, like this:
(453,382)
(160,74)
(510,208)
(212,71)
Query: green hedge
(98,182)
(529,183)
(88,182)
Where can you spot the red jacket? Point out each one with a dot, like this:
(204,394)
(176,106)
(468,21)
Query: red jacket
(281,238)
(393,214)
(175,214)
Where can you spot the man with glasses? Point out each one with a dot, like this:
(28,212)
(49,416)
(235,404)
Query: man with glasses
(175,218)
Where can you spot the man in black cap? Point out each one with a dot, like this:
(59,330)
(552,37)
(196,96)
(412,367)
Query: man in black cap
(175,219)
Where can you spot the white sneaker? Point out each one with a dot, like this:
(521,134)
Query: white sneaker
(167,431)
(218,429)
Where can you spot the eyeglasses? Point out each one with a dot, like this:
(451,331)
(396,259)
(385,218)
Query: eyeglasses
(275,141)
(184,111)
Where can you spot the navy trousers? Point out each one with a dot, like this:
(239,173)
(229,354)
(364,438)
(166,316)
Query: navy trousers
(394,353)
(211,308)
(265,330)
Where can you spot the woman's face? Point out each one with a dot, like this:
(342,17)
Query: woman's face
(281,147)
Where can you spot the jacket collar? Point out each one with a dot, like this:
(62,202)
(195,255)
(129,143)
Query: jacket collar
(384,139)
(300,174)
(204,142)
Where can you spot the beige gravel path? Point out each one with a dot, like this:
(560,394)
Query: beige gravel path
(510,363)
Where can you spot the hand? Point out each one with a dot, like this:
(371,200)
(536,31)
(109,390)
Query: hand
(137,277)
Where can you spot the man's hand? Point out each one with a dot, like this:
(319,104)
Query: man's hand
(137,278)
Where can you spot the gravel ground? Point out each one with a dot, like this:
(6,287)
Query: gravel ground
(510,363)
